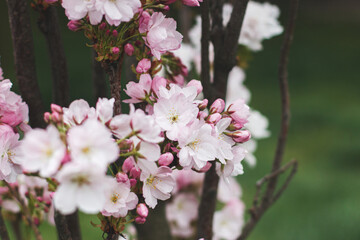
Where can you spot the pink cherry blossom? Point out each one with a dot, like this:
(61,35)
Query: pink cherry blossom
(145,127)
(104,109)
(138,91)
(78,9)
(117,11)
(239,111)
(182,210)
(192,3)
(78,112)
(143,66)
(161,34)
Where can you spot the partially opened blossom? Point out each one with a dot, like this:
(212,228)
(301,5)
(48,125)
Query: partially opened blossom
(119,199)
(78,112)
(9,151)
(224,142)
(42,150)
(92,143)
(146,127)
(83,186)
(78,9)
(120,125)
(147,150)
(161,34)
(104,109)
(138,91)
(192,3)
(117,11)
(158,184)
(239,112)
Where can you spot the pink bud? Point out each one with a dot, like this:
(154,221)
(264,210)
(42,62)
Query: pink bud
(206,167)
(142,210)
(133,182)
(166,8)
(135,173)
(115,33)
(47,117)
(40,199)
(179,80)
(217,106)
(107,32)
(203,104)
(129,49)
(74,25)
(197,84)
(56,117)
(202,115)
(122,177)
(115,50)
(56,108)
(165,159)
(143,66)
(140,220)
(66,158)
(102,26)
(241,136)
(192,3)
(36,221)
(128,164)
(214,118)
(158,82)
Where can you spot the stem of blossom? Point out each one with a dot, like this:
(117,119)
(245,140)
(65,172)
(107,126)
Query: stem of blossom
(270,195)
(25,210)
(25,59)
(3,231)
(49,25)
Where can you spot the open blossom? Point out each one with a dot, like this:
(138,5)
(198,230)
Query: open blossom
(78,112)
(224,142)
(146,127)
(42,150)
(161,34)
(158,184)
(198,145)
(9,163)
(13,111)
(228,191)
(119,199)
(78,9)
(82,186)
(104,109)
(174,113)
(92,143)
(258,125)
(182,210)
(117,11)
(138,91)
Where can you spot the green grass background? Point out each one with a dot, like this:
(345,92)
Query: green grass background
(322,202)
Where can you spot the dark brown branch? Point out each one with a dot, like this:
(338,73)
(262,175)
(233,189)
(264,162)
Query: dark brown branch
(16,229)
(73,224)
(3,231)
(205,38)
(61,226)
(270,196)
(49,25)
(99,79)
(25,59)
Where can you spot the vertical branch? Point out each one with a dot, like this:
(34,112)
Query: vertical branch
(225,59)
(15,224)
(270,196)
(25,59)
(3,231)
(49,26)
(61,226)
(72,221)
(98,77)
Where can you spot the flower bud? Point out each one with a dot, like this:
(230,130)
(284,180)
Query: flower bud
(128,164)
(241,136)
(74,25)
(47,116)
(206,167)
(129,49)
(214,118)
(115,33)
(140,220)
(102,26)
(143,66)
(217,106)
(203,104)
(36,221)
(142,210)
(133,182)
(122,177)
(135,173)
(115,50)
(158,82)
(202,115)
(40,199)
(56,108)
(165,159)
(56,117)
(197,84)
(126,145)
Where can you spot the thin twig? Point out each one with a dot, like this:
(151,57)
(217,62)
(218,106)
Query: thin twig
(3,231)
(25,59)
(49,25)
(270,197)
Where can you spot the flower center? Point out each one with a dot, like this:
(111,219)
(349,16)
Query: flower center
(80,180)
(152,181)
(195,144)
(173,116)
(115,197)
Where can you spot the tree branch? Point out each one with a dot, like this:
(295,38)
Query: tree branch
(25,59)
(72,221)
(3,231)
(270,196)
(61,226)
(205,38)
(99,79)
(49,25)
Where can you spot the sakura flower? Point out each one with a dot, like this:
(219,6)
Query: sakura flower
(228,191)
(78,9)
(138,91)
(158,184)
(92,143)
(146,127)
(147,150)
(117,11)
(189,91)
(78,112)
(198,145)
(250,147)
(174,113)
(120,125)
(239,112)
(9,160)
(224,142)
(42,150)
(104,109)
(187,177)
(235,87)
(83,186)
(161,34)
(119,200)
(182,210)
(258,125)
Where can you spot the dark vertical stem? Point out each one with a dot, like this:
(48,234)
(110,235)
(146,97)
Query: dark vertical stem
(185,20)
(49,25)
(205,38)
(61,226)
(16,227)
(3,231)
(72,222)
(156,225)
(25,59)
(99,78)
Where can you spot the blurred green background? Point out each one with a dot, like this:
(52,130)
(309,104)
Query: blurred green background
(322,202)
